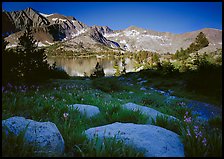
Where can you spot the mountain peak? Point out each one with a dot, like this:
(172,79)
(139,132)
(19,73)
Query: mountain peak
(102,29)
(132,27)
(30,9)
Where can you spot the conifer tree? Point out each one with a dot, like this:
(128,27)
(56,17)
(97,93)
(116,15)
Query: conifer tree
(32,62)
(99,72)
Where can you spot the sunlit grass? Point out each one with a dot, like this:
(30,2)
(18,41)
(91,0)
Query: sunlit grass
(50,101)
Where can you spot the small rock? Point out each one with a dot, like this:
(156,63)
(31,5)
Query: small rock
(142,82)
(143,89)
(44,135)
(88,110)
(170,91)
(121,78)
(153,140)
(151,113)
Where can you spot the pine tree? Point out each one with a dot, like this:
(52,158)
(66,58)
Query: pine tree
(201,40)
(32,62)
(99,72)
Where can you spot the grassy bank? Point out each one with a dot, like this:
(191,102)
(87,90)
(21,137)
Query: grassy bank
(49,101)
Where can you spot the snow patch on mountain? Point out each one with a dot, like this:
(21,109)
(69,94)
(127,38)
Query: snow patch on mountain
(63,20)
(123,42)
(49,43)
(78,33)
(131,33)
(10,46)
(166,44)
(46,15)
(39,44)
(111,35)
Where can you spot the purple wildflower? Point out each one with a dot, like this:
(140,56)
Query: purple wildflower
(9,84)
(196,127)
(52,97)
(204,141)
(187,120)
(199,134)
(188,132)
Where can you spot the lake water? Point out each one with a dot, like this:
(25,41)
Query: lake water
(80,66)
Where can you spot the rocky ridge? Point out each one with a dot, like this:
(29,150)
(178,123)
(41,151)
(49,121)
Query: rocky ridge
(77,36)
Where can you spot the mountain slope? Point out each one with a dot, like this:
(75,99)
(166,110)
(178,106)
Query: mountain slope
(135,39)
(77,36)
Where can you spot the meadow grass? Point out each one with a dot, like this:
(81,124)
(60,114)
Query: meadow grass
(49,101)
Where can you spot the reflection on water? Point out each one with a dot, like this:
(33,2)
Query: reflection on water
(80,66)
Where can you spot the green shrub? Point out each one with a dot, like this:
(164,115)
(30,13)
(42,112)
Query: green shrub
(59,74)
(215,122)
(99,72)
(108,85)
(169,124)
(117,114)
(199,141)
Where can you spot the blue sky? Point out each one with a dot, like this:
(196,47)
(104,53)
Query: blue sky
(174,17)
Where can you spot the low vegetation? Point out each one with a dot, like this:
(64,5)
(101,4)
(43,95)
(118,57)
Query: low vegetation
(48,100)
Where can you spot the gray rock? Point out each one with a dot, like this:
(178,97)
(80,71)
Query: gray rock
(88,110)
(141,82)
(143,89)
(153,140)
(139,79)
(44,135)
(151,113)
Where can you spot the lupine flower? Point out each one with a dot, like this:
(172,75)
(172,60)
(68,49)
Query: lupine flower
(52,97)
(3,88)
(195,127)
(204,141)
(9,84)
(199,134)
(181,103)
(187,120)
(188,132)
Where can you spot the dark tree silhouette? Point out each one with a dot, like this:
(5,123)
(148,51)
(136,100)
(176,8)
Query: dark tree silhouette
(99,72)
(27,63)
(9,63)
(33,65)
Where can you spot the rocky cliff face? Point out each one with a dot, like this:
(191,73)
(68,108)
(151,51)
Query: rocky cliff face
(135,39)
(48,28)
(77,36)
